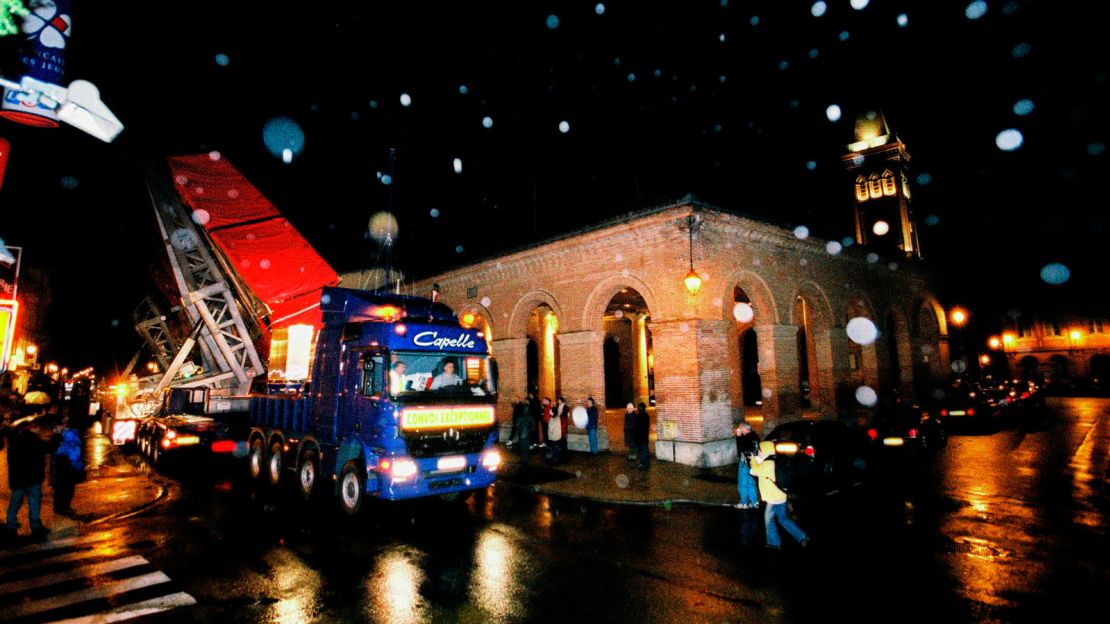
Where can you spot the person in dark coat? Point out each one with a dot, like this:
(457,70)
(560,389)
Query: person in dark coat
(28,445)
(592,417)
(66,470)
(526,430)
(519,405)
(629,438)
(641,433)
(536,408)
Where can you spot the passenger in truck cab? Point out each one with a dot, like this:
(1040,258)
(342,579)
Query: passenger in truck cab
(447,378)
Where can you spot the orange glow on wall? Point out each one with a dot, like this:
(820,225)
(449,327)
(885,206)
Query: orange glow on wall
(9,310)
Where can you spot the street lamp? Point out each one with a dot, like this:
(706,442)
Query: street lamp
(958,316)
(692,279)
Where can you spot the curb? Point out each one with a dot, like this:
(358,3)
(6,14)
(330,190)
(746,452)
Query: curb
(163,494)
(666,503)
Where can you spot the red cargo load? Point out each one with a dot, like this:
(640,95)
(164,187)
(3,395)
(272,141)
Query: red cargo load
(269,254)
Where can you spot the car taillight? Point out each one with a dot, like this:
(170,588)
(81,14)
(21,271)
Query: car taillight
(223,446)
(971,411)
(913,433)
(810,452)
(873,433)
(943,412)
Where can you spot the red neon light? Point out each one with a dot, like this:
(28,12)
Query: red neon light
(9,312)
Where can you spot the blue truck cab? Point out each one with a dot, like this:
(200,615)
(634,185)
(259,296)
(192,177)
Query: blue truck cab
(400,405)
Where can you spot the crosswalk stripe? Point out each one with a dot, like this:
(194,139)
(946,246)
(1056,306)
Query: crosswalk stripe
(93,569)
(100,591)
(139,609)
(100,551)
(55,544)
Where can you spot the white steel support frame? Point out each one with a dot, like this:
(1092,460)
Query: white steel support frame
(226,342)
(151,325)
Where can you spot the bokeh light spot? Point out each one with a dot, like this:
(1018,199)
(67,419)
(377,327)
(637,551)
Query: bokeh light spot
(975,10)
(866,396)
(801,232)
(833,248)
(1023,107)
(903,20)
(862,330)
(457,165)
(434,212)
(860,5)
(283,137)
(564,127)
(833,112)
(222,60)
(552,22)
(487,122)
(1055,273)
(743,312)
(1009,140)
(923,178)
(818,9)
(599,8)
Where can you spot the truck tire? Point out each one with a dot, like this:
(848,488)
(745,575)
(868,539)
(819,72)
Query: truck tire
(308,475)
(456,497)
(257,459)
(276,464)
(352,488)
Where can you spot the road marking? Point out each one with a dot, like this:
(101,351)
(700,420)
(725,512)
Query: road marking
(92,593)
(100,551)
(55,544)
(139,609)
(93,569)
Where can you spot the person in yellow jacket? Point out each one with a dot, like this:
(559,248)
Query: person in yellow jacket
(774,514)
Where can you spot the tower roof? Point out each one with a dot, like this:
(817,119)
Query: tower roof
(871,131)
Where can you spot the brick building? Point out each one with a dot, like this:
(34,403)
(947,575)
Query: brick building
(604,312)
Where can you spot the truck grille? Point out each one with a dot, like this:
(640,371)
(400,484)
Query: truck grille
(446,442)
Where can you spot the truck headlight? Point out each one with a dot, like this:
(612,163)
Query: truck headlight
(491,460)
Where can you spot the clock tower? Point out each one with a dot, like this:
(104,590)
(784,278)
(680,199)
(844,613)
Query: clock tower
(879,165)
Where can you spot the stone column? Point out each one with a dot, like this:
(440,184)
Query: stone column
(512,381)
(778,372)
(639,357)
(834,370)
(692,369)
(549,327)
(582,372)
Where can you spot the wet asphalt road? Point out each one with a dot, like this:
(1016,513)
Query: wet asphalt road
(1004,526)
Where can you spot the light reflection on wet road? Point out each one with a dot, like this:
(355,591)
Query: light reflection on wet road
(1008,526)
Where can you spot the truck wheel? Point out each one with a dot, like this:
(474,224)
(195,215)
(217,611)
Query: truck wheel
(352,485)
(276,463)
(257,459)
(308,474)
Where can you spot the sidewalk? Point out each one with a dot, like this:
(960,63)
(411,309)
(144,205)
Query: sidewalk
(611,478)
(114,488)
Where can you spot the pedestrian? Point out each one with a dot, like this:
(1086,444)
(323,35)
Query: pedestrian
(541,424)
(514,432)
(526,431)
(28,445)
(67,469)
(591,424)
(747,447)
(641,434)
(629,439)
(561,411)
(774,515)
(554,432)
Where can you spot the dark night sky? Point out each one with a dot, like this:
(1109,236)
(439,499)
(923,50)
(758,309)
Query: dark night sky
(725,100)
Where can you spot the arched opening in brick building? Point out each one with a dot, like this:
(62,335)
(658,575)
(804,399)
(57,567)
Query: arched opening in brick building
(1030,369)
(744,315)
(543,337)
(628,357)
(926,338)
(890,366)
(1100,370)
(1059,369)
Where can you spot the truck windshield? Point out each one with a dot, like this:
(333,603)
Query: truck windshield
(439,374)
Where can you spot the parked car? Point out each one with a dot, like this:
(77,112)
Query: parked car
(821,456)
(906,428)
(965,406)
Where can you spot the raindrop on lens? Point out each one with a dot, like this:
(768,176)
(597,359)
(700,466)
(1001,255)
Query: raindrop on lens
(457,164)
(818,9)
(743,312)
(932,220)
(1023,107)
(69,182)
(382,226)
(754,21)
(283,137)
(833,112)
(264,263)
(201,216)
(811,165)
(801,232)
(463,89)
(859,5)
(1009,140)
(564,127)
(862,330)
(866,396)
(552,22)
(434,212)
(406,99)
(1021,50)
(325,299)
(847,241)
(1055,273)
(844,35)
(387,179)
(458,248)
(924,179)
(903,20)
(1096,149)
(872,257)
(599,8)
(485,302)
(487,122)
(222,60)
(975,10)
(832,247)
